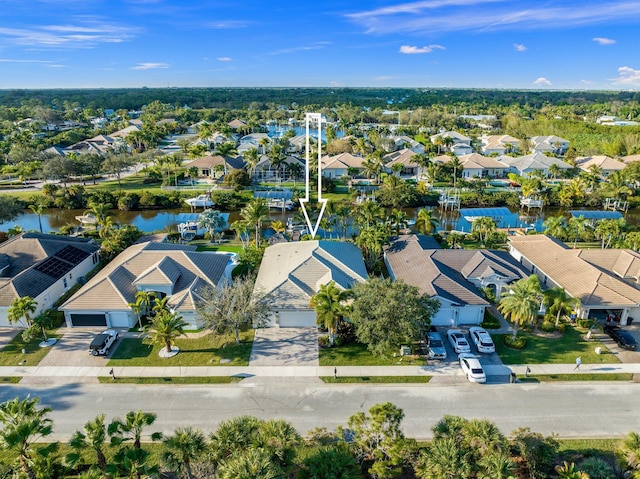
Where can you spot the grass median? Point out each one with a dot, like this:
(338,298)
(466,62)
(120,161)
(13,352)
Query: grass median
(206,350)
(544,378)
(376,379)
(357,354)
(171,380)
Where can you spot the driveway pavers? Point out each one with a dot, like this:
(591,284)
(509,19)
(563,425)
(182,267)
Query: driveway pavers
(285,347)
(72,349)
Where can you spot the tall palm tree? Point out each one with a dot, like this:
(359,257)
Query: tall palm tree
(557,299)
(329,304)
(368,214)
(24,424)
(520,302)
(255,213)
(483,227)
(131,427)
(554,226)
(457,167)
(577,226)
(225,150)
(100,211)
(164,328)
(39,210)
(251,157)
(397,220)
(92,437)
(107,228)
(295,170)
(21,308)
(426,222)
(183,448)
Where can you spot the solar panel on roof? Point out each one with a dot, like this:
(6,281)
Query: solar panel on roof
(72,254)
(54,267)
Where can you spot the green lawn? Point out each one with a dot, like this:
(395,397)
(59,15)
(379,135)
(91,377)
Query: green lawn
(172,380)
(207,350)
(206,245)
(376,379)
(356,354)
(11,354)
(562,350)
(10,379)
(544,378)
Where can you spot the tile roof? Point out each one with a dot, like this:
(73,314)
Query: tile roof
(404,157)
(343,160)
(115,286)
(604,162)
(478,161)
(535,161)
(293,272)
(583,274)
(447,273)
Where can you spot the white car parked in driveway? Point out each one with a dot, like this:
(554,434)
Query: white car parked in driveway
(482,340)
(472,368)
(459,341)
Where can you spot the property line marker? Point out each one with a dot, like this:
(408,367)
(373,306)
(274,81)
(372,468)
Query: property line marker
(317,117)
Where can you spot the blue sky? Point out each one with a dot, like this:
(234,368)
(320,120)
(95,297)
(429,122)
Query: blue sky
(588,44)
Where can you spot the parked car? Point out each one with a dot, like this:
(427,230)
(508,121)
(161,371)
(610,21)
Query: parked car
(436,349)
(472,368)
(482,340)
(459,341)
(624,338)
(102,342)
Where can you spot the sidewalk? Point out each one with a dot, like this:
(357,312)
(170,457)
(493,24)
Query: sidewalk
(303,371)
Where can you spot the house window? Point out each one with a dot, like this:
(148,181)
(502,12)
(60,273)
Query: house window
(64,281)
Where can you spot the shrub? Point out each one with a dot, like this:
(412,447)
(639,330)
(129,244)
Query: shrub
(490,321)
(323,341)
(128,201)
(519,343)
(597,468)
(548,326)
(585,323)
(225,200)
(237,178)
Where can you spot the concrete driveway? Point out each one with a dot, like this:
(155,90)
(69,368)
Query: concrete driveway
(285,347)
(7,334)
(622,354)
(73,349)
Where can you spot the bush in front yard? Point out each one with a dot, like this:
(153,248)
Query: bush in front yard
(490,321)
(548,326)
(519,343)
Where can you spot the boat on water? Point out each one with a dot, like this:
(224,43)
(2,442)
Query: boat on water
(282,204)
(190,229)
(87,219)
(200,201)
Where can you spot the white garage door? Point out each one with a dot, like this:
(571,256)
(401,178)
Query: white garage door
(297,319)
(443,317)
(120,320)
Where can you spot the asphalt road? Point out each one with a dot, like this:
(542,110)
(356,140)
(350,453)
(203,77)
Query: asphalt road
(594,409)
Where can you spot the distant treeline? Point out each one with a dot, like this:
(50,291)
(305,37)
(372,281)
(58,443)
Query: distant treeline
(198,98)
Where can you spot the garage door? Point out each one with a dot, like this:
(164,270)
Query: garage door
(88,320)
(443,317)
(297,319)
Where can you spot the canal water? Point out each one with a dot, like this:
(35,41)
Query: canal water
(167,220)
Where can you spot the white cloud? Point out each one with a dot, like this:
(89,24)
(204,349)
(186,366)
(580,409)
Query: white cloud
(150,66)
(628,76)
(411,50)
(439,16)
(224,59)
(229,24)
(13,60)
(519,47)
(302,48)
(542,81)
(604,41)
(86,33)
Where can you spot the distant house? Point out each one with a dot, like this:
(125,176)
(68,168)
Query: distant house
(631,158)
(478,166)
(265,170)
(549,144)
(43,267)
(169,270)
(614,121)
(459,144)
(237,124)
(454,277)
(603,163)
(498,144)
(404,157)
(523,165)
(297,144)
(291,273)
(406,142)
(253,140)
(215,166)
(605,281)
(125,131)
(337,166)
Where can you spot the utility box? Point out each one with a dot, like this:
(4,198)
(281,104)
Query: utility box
(405,351)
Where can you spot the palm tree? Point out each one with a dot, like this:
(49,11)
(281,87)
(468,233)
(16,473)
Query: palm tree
(92,437)
(130,429)
(608,230)
(426,222)
(100,211)
(568,471)
(24,425)
(578,226)
(255,213)
(164,328)
(295,170)
(39,210)
(554,226)
(107,228)
(397,220)
(185,446)
(457,166)
(330,308)
(629,453)
(225,150)
(241,228)
(520,303)
(20,308)
(250,464)
(483,227)
(444,459)
(251,157)
(368,214)
(557,299)
(432,171)
(144,301)
(330,462)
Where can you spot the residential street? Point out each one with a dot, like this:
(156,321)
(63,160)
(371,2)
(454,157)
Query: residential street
(594,409)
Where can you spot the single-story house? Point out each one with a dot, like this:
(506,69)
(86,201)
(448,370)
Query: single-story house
(266,171)
(170,270)
(553,144)
(43,267)
(478,166)
(523,165)
(499,144)
(253,140)
(291,273)
(457,143)
(605,164)
(406,142)
(453,276)
(338,166)
(215,166)
(631,158)
(605,281)
(405,158)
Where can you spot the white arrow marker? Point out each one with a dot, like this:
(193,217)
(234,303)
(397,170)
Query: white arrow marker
(317,117)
